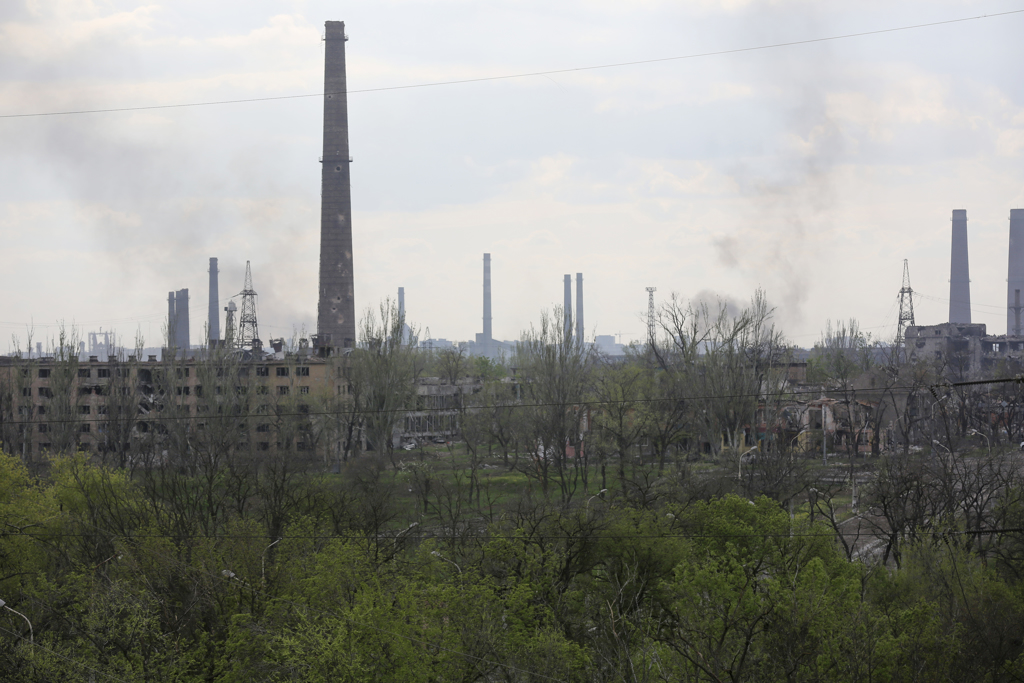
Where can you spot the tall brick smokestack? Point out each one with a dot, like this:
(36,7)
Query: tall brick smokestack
(1015,274)
(336,312)
(959,272)
(214,312)
(580,332)
(567,306)
(487,336)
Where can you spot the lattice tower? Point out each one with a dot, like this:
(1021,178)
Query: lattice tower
(906,304)
(651,327)
(248,332)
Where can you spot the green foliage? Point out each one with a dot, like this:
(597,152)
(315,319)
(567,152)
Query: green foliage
(722,588)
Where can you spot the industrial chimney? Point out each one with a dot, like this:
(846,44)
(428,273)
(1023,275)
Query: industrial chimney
(567,306)
(401,315)
(580,332)
(214,312)
(487,336)
(181,320)
(959,273)
(336,311)
(1015,274)
(172,327)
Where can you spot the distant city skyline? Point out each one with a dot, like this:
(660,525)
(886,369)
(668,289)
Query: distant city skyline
(810,171)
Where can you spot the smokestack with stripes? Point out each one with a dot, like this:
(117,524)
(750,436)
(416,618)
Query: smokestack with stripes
(214,313)
(959,271)
(1015,274)
(580,332)
(567,306)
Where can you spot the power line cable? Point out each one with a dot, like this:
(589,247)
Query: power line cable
(529,74)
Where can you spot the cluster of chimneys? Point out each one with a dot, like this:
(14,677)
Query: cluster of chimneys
(177,313)
(487,336)
(959,273)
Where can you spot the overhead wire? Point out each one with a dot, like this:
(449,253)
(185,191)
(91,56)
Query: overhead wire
(529,74)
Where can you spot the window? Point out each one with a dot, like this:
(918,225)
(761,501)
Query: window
(103,372)
(263,427)
(282,391)
(45,392)
(261,390)
(84,410)
(302,371)
(41,410)
(282,372)
(44,429)
(98,390)
(182,373)
(85,428)
(263,371)
(27,391)
(101,410)
(263,446)
(44,373)
(303,390)
(84,372)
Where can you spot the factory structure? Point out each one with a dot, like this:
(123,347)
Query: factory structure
(965,348)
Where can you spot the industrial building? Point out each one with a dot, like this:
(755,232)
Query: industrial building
(965,349)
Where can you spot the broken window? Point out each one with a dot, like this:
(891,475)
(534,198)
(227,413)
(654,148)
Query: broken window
(302,371)
(303,390)
(263,371)
(84,410)
(282,372)
(44,373)
(103,372)
(282,391)
(84,372)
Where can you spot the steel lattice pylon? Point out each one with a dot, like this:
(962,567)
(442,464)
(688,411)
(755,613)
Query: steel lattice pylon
(906,304)
(651,328)
(248,332)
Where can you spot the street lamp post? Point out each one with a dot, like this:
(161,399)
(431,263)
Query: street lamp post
(975,432)
(437,554)
(739,473)
(31,631)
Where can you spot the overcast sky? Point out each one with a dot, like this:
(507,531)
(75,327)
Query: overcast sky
(810,171)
